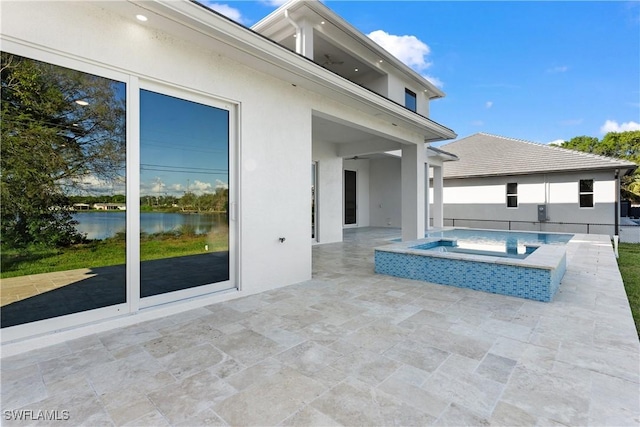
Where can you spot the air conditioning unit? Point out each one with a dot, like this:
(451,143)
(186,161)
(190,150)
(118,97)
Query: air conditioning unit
(542,213)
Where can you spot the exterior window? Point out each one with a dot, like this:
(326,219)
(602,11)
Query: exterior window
(512,195)
(586,193)
(410,100)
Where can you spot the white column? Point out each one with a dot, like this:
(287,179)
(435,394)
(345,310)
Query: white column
(413,191)
(438,185)
(427,200)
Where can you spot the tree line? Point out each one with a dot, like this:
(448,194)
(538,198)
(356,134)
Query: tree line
(207,202)
(620,145)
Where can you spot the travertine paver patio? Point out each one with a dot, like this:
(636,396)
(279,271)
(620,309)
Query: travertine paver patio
(354,348)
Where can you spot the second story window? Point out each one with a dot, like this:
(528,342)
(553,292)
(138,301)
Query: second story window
(512,195)
(586,193)
(410,100)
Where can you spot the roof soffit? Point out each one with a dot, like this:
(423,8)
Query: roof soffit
(196,23)
(339,31)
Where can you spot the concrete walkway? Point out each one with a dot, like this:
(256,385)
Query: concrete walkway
(354,348)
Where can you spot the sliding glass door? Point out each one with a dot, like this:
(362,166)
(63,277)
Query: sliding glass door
(73,201)
(184,196)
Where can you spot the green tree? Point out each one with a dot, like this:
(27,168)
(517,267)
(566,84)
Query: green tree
(584,143)
(621,145)
(206,202)
(58,127)
(188,201)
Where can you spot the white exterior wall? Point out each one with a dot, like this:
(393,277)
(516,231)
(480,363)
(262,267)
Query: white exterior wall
(271,152)
(274,128)
(485,199)
(329,188)
(397,85)
(385,193)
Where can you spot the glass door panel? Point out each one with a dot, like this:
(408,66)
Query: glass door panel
(63,204)
(184,194)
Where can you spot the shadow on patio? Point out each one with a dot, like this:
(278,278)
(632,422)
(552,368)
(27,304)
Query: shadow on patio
(88,289)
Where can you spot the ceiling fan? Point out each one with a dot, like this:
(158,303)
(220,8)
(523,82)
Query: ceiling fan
(356,158)
(331,61)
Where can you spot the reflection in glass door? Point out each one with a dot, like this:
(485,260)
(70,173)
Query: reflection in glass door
(184,194)
(63,179)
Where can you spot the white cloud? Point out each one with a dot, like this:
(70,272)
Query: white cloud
(613,126)
(221,185)
(408,49)
(488,104)
(226,10)
(556,142)
(176,189)
(434,80)
(560,69)
(199,187)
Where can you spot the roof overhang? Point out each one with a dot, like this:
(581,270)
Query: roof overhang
(316,12)
(445,156)
(198,24)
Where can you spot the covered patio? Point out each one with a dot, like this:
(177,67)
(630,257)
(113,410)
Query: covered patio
(350,347)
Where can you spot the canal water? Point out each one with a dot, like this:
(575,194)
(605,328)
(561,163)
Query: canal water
(101,225)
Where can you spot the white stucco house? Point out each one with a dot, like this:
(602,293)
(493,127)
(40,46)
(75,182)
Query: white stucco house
(507,183)
(300,91)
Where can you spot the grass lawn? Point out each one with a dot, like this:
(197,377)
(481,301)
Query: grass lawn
(106,252)
(629,263)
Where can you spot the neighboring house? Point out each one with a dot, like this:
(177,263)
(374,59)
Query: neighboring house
(110,206)
(81,207)
(509,183)
(302,90)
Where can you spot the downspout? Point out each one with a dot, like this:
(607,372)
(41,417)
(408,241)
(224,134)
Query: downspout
(298,31)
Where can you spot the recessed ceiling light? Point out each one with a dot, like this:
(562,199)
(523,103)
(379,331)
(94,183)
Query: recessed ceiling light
(322,22)
(381,61)
(356,69)
(81,102)
(295,35)
(141,18)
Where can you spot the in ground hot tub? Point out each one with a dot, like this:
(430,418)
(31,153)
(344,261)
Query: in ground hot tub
(534,274)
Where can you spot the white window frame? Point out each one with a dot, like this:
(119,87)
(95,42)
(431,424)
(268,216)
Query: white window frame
(592,193)
(212,101)
(507,195)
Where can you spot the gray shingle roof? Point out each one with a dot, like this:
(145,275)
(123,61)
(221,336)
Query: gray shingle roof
(483,154)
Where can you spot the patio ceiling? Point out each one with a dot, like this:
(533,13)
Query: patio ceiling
(352,140)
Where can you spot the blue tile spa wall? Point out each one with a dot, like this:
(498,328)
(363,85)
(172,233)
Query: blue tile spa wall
(531,283)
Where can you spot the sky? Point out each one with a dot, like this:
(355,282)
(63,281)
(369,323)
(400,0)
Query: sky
(541,71)
(184,146)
